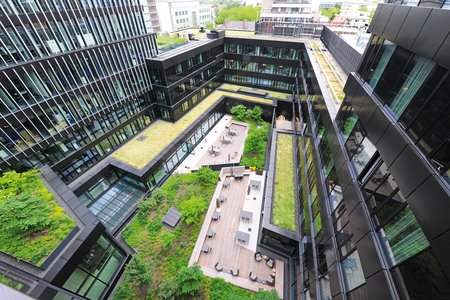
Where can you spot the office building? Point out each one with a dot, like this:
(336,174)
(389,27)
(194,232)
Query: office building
(371,187)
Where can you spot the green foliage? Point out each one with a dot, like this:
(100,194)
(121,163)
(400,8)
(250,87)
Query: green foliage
(222,290)
(331,12)
(191,209)
(205,176)
(189,279)
(255,145)
(24,214)
(33,224)
(257,114)
(248,13)
(165,252)
(266,295)
(136,280)
(164,40)
(363,8)
(150,204)
(168,289)
(239,111)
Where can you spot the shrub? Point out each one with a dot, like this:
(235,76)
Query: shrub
(150,204)
(222,290)
(168,289)
(189,279)
(206,176)
(256,114)
(190,209)
(239,111)
(24,214)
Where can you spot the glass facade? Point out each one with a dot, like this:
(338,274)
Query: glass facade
(93,275)
(58,104)
(416,92)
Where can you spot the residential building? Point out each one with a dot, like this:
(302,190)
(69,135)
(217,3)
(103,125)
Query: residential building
(182,14)
(150,14)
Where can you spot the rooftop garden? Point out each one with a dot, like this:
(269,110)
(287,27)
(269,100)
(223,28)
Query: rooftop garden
(160,267)
(330,74)
(256,143)
(168,41)
(33,224)
(235,88)
(142,149)
(284,199)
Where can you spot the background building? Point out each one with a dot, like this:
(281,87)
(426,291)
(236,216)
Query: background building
(182,14)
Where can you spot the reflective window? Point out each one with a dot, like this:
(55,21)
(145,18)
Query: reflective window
(353,272)
(93,275)
(402,78)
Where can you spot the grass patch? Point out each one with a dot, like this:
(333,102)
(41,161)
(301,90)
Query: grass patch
(33,224)
(164,40)
(161,133)
(235,88)
(284,202)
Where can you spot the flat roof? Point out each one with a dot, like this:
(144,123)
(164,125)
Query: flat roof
(181,49)
(142,149)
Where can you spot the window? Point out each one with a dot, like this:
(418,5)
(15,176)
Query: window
(190,63)
(378,55)
(353,273)
(178,69)
(421,277)
(402,78)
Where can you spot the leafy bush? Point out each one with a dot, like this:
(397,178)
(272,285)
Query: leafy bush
(137,276)
(24,214)
(222,290)
(239,111)
(168,289)
(192,208)
(206,176)
(150,204)
(256,145)
(256,114)
(189,279)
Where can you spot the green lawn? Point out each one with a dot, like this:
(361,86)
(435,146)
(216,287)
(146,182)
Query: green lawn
(164,252)
(284,200)
(164,40)
(33,224)
(160,134)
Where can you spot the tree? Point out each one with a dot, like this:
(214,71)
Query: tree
(239,111)
(24,214)
(191,209)
(331,12)
(205,175)
(189,279)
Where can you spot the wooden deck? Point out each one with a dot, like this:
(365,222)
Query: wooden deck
(233,150)
(225,250)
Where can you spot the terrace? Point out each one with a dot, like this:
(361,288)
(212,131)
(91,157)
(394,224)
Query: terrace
(146,146)
(229,253)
